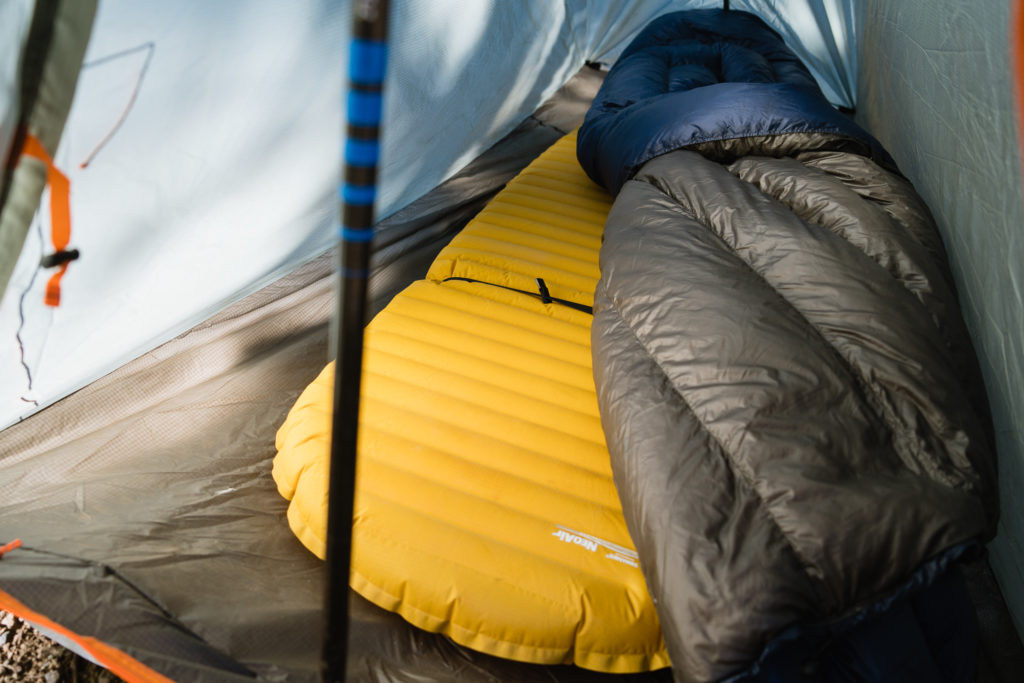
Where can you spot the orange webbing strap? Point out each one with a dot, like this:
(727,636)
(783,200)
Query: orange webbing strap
(13,545)
(60,213)
(125,666)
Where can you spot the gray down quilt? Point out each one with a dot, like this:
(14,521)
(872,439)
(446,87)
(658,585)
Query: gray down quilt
(797,426)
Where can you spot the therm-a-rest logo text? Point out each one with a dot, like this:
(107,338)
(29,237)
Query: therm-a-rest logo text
(592,543)
(567,537)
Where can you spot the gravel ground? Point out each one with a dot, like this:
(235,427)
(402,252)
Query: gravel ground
(28,657)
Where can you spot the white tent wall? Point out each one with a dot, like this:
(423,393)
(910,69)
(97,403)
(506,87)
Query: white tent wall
(823,34)
(215,176)
(222,175)
(936,88)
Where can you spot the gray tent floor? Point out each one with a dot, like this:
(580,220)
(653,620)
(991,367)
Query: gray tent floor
(149,516)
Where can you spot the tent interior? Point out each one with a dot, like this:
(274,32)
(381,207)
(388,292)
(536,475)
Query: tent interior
(202,144)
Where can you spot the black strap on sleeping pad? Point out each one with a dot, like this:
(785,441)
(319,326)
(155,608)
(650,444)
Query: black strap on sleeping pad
(541,294)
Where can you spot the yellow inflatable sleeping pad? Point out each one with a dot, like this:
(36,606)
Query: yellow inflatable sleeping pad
(485,507)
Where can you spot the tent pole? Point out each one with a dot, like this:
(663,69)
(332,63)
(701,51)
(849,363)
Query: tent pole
(367,58)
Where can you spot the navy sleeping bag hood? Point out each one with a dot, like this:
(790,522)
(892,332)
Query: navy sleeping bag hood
(700,76)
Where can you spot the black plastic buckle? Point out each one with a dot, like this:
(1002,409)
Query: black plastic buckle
(545,295)
(58,258)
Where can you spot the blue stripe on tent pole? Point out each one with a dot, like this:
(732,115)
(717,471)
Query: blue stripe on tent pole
(358,193)
(362,152)
(356,234)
